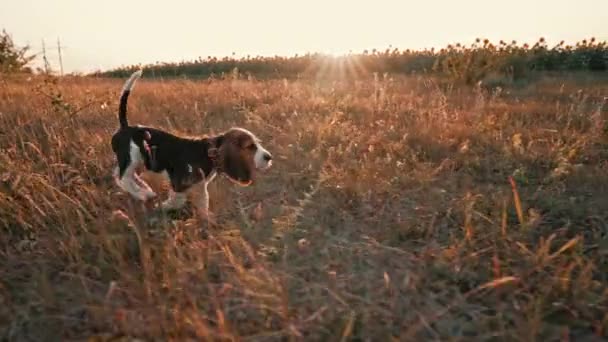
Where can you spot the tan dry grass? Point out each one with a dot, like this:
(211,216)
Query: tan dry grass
(389,214)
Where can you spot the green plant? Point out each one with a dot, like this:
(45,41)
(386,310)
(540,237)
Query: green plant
(12,57)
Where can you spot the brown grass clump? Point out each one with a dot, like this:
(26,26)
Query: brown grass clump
(397,210)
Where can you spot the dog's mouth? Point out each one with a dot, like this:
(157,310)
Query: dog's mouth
(248,180)
(240,182)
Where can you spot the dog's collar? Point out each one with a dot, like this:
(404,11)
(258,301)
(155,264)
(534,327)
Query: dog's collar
(214,155)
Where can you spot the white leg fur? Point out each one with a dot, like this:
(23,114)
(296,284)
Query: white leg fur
(146,188)
(130,181)
(204,200)
(204,204)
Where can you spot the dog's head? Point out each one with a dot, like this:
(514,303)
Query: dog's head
(242,154)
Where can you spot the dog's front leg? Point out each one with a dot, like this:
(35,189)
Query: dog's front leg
(203,207)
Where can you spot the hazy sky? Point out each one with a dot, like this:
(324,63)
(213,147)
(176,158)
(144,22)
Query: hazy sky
(108,33)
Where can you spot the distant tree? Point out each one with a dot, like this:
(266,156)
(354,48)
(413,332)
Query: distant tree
(12,57)
(481,60)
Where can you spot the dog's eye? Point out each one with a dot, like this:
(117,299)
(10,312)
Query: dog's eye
(251,147)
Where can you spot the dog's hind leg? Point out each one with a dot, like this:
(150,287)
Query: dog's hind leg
(144,186)
(129,180)
(129,183)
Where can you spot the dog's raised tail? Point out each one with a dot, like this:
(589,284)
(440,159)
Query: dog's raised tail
(124,96)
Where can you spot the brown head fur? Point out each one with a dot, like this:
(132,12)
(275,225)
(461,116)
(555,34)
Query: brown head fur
(236,154)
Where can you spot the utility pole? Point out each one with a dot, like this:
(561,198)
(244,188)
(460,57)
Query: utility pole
(46,61)
(59,53)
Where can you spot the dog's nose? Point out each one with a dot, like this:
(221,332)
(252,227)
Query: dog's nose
(267,157)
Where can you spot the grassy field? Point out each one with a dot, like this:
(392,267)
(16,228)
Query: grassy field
(397,209)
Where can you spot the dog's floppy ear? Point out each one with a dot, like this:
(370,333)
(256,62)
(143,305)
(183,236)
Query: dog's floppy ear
(212,152)
(217,142)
